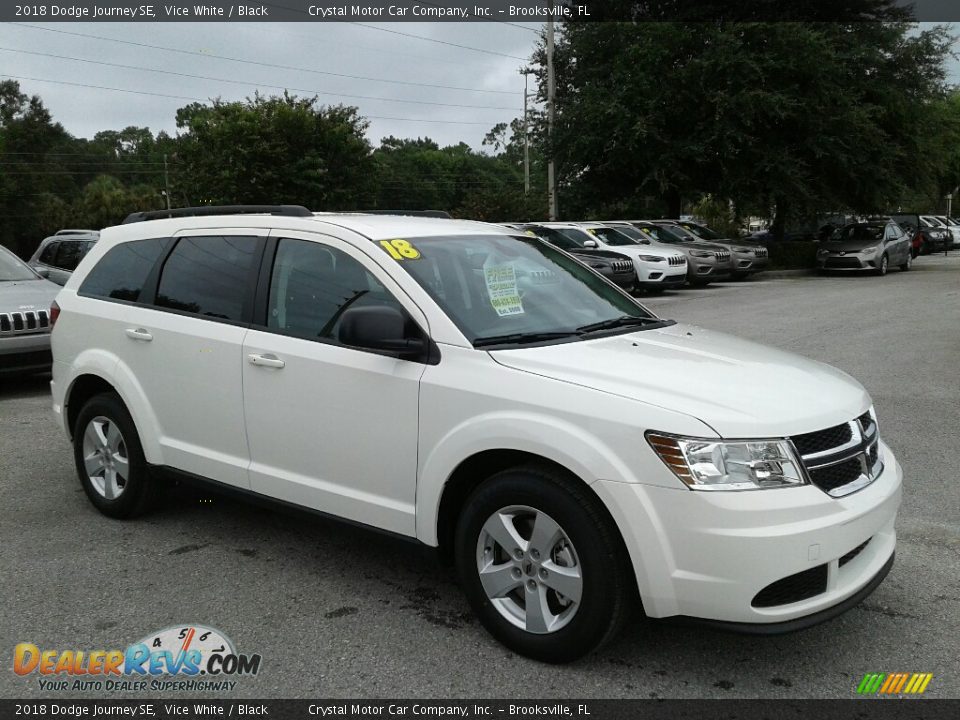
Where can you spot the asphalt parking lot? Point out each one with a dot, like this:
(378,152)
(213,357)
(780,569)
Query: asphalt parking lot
(339,612)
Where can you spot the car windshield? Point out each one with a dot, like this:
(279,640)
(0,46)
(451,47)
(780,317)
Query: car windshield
(859,233)
(560,238)
(612,236)
(507,290)
(703,232)
(632,232)
(669,235)
(13,268)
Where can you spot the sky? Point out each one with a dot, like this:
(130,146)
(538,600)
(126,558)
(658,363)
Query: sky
(451,82)
(449,93)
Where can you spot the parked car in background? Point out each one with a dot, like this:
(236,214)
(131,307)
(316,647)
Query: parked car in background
(706,262)
(873,246)
(747,256)
(656,271)
(926,236)
(659,270)
(615,267)
(58,255)
(76,231)
(25,301)
(953,226)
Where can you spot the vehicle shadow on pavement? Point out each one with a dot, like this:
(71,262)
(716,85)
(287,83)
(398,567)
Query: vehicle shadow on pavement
(14,386)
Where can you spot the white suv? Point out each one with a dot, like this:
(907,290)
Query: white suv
(484,393)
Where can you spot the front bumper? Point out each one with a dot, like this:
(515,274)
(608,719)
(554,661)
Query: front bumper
(670,276)
(708,555)
(744,263)
(25,353)
(850,261)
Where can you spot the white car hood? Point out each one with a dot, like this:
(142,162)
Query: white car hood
(739,388)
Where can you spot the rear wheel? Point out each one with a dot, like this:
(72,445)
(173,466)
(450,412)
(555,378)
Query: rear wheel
(542,564)
(109,458)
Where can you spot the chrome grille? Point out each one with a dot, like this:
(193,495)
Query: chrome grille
(722,255)
(760,252)
(24,322)
(677,260)
(622,266)
(844,458)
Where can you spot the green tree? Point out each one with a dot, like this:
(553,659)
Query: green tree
(275,150)
(796,116)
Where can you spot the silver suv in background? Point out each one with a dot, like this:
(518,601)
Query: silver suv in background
(25,300)
(58,255)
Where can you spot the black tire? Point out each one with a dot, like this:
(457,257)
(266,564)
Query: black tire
(608,585)
(884,265)
(138,489)
(908,264)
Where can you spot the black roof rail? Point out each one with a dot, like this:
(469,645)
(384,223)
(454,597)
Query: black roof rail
(412,213)
(204,210)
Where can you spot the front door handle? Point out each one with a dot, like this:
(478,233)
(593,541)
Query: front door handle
(268,360)
(139,334)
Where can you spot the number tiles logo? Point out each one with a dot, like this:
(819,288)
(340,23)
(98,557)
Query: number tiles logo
(182,657)
(894,683)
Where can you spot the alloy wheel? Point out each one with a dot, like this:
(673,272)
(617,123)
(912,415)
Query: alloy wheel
(105,457)
(529,569)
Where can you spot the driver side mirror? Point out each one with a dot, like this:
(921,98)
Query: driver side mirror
(590,244)
(380,328)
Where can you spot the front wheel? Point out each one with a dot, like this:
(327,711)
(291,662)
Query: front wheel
(908,263)
(542,565)
(884,266)
(109,458)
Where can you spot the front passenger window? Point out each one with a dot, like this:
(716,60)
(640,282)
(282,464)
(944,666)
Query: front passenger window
(312,285)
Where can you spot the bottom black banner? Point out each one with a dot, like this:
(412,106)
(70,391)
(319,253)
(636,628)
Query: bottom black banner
(874,709)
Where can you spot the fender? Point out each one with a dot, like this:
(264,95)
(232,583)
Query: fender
(586,456)
(108,368)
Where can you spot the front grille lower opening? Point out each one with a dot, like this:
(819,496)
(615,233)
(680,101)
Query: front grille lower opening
(793,588)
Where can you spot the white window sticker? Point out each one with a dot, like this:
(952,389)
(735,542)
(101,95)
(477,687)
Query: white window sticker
(502,288)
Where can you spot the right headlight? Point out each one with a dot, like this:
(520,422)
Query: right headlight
(701,253)
(652,258)
(822,252)
(707,464)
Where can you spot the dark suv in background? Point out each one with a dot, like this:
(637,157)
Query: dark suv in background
(925,236)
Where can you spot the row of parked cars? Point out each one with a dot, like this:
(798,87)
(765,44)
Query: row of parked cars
(653,255)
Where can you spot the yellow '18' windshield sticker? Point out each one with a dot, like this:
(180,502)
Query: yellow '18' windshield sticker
(400,249)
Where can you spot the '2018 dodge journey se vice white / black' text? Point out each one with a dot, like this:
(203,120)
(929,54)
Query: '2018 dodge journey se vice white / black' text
(485,393)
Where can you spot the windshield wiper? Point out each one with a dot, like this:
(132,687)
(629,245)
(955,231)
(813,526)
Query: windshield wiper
(624,321)
(519,338)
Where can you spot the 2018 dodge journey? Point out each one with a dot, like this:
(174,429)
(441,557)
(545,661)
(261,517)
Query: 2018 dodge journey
(480,391)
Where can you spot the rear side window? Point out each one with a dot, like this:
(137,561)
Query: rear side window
(49,253)
(122,271)
(69,255)
(208,276)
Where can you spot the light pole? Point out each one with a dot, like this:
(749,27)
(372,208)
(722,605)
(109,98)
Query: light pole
(526,72)
(551,93)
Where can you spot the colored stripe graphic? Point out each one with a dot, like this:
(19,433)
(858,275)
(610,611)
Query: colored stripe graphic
(894,683)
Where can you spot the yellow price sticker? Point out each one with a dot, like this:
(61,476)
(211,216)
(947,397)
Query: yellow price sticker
(400,249)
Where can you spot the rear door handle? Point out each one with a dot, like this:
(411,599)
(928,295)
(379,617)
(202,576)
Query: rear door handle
(139,334)
(268,360)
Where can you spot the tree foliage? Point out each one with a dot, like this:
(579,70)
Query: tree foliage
(799,116)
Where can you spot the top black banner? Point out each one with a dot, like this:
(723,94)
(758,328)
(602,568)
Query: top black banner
(535,11)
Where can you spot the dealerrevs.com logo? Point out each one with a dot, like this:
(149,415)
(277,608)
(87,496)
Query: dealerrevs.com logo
(182,657)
